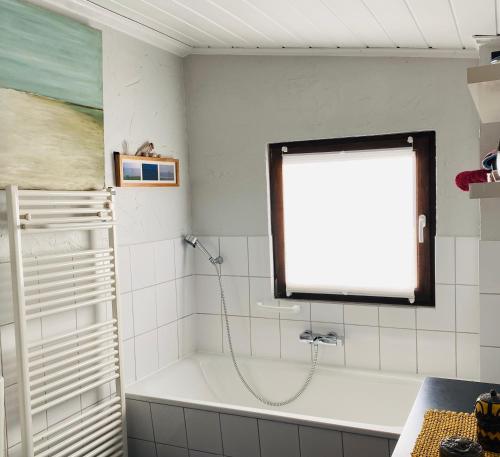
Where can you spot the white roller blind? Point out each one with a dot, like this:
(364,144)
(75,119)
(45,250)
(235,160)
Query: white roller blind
(350,222)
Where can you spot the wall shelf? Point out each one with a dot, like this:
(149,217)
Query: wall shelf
(484,190)
(484,86)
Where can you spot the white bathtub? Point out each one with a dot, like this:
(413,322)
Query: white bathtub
(337,398)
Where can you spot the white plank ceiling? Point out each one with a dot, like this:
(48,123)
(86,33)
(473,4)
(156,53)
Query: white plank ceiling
(194,25)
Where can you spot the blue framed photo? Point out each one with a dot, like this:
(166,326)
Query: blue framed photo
(139,171)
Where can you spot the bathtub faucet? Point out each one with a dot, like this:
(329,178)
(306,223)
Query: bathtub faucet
(318,338)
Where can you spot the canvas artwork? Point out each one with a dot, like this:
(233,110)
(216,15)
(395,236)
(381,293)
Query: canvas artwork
(51,117)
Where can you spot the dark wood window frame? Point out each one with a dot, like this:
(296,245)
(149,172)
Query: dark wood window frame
(424,145)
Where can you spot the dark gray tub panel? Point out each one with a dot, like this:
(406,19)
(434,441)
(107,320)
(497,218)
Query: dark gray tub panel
(162,430)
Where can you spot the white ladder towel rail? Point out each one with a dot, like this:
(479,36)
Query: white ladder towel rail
(63,366)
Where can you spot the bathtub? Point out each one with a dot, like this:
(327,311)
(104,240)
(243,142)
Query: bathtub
(354,410)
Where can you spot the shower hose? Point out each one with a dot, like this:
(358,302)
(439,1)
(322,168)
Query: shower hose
(256,394)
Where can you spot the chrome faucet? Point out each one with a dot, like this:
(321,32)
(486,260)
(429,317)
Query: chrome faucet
(307,336)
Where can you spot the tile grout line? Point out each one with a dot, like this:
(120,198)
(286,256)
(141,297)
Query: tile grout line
(416,343)
(220,431)
(379,342)
(455,306)
(248,283)
(177,307)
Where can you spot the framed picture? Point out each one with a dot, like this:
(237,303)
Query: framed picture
(139,171)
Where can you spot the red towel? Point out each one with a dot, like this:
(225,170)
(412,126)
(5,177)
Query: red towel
(463,179)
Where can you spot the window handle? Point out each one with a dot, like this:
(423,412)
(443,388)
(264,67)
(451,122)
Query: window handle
(422,222)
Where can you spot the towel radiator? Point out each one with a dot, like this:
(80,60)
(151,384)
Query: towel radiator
(76,369)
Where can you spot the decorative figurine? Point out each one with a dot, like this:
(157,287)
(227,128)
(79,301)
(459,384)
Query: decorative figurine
(146,149)
(488,420)
(459,446)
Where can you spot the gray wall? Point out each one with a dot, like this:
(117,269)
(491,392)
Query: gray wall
(237,105)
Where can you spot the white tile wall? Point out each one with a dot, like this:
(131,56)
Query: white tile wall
(467,302)
(185,295)
(436,353)
(265,337)
(168,344)
(153,332)
(489,252)
(127,323)
(397,316)
(259,259)
(398,350)
(162,305)
(144,306)
(439,341)
(442,316)
(142,265)
(490,366)
(490,317)
(467,261)
(489,304)
(234,251)
(165,304)
(327,312)
(362,347)
(209,332)
(445,260)
(361,314)
(237,294)
(240,335)
(207,295)
(291,347)
(468,356)
(146,354)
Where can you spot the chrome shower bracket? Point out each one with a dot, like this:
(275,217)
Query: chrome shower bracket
(217,260)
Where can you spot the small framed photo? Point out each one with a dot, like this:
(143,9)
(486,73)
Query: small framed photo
(139,171)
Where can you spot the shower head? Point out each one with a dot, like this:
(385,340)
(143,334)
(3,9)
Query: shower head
(193,241)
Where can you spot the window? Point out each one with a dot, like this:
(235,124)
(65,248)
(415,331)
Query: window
(353,219)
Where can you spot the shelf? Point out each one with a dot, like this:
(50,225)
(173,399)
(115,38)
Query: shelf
(484,86)
(485,190)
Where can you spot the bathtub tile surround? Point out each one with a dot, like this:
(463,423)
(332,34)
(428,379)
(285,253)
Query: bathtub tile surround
(319,442)
(168,425)
(278,438)
(489,303)
(158,306)
(356,445)
(240,436)
(165,430)
(441,341)
(139,420)
(170,451)
(141,448)
(203,430)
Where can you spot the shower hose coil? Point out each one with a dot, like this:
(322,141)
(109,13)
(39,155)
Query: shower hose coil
(254,393)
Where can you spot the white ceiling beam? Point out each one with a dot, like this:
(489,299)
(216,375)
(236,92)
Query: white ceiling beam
(343,52)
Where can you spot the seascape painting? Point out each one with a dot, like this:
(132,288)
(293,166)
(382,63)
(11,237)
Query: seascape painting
(167,172)
(51,117)
(132,171)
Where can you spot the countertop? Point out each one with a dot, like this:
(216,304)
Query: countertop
(438,393)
